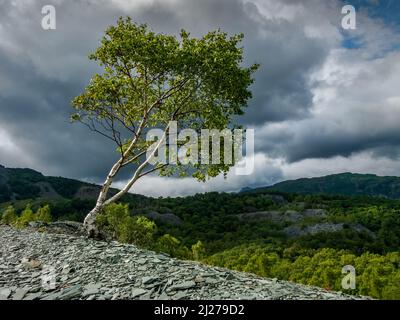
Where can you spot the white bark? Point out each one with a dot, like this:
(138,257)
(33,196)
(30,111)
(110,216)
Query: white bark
(90,223)
(138,171)
(90,219)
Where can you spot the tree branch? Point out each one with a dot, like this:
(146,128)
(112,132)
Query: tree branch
(137,172)
(153,169)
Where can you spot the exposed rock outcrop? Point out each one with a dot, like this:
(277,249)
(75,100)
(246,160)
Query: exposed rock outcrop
(286,216)
(168,218)
(296,231)
(47,191)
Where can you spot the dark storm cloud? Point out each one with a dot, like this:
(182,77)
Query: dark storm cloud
(358,110)
(41,71)
(325,145)
(286,54)
(37,118)
(324,139)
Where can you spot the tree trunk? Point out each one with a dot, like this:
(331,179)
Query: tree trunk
(90,220)
(102,201)
(90,223)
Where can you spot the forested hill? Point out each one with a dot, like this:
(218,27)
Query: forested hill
(270,233)
(340,184)
(22,184)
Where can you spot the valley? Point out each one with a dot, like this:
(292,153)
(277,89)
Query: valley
(305,238)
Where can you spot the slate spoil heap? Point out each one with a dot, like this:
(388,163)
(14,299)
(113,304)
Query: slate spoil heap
(41,265)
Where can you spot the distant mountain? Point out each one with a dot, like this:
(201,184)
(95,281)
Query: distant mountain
(341,184)
(21,184)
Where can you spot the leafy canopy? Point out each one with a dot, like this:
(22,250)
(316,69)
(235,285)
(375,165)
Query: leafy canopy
(150,79)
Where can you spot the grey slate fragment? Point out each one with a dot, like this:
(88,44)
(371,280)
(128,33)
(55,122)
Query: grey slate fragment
(89,269)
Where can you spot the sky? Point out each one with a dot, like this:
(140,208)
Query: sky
(325,100)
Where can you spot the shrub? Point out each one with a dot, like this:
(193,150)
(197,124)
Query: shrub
(173,247)
(198,250)
(43,214)
(139,231)
(26,217)
(111,220)
(115,222)
(168,244)
(9,217)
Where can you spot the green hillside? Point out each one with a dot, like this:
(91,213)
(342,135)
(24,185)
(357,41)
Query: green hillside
(341,184)
(23,184)
(20,184)
(285,234)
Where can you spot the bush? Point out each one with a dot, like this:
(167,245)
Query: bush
(43,214)
(139,231)
(111,220)
(168,244)
(115,222)
(26,217)
(198,250)
(9,217)
(173,247)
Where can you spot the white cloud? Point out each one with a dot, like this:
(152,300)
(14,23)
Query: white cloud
(266,172)
(356,107)
(364,162)
(318,108)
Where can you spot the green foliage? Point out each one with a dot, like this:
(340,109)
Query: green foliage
(116,222)
(251,258)
(151,78)
(198,250)
(172,246)
(22,182)
(9,217)
(27,216)
(376,275)
(343,183)
(259,246)
(74,210)
(139,231)
(43,214)
(112,219)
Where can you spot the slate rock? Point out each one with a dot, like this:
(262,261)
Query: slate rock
(136,292)
(147,280)
(19,294)
(183,285)
(5,292)
(111,270)
(90,289)
(71,292)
